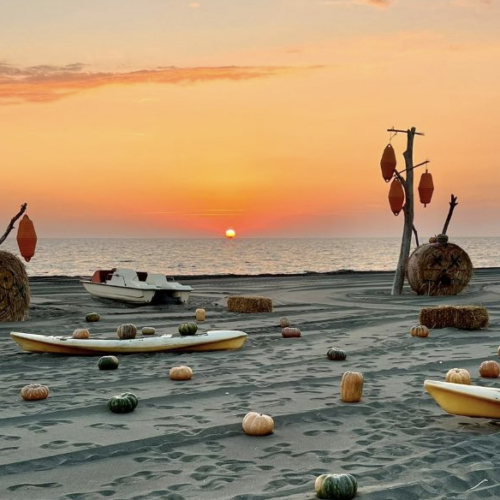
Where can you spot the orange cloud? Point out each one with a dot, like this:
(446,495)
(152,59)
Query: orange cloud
(50,83)
(374,3)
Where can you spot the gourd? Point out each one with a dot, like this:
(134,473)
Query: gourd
(289,332)
(200,314)
(127,331)
(284,322)
(148,330)
(188,328)
(180,373)
(108,363)
(92,317)
(419,331)
(336,354)
(489,369)
(33,392)
(124,403)
(336,486)
(257,424)
(351,387)
(81,333)
(458,376)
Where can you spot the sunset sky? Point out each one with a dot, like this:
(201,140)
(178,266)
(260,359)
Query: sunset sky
(179,118)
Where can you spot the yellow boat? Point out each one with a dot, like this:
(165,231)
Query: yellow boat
(466,400)
(213,340)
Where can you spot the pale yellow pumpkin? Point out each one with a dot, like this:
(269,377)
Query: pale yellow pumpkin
(419,331)
(180,373)
(33,392)
(81,333)
(148,330)
(284,322)
(351,387)
(489,369)
(458,376)
(257,424)
(200,314)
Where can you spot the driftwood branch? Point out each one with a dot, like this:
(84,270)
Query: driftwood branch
(416,235)
(453,204)
(10,227)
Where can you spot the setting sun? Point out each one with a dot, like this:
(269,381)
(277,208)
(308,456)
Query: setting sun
(230,233)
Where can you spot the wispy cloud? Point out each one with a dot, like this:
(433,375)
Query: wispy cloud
(216,212)
(46,83)
(381,4)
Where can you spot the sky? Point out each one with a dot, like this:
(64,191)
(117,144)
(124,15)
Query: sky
(182,118)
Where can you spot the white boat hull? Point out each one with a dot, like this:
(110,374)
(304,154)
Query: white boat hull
(213,340)
(465,400)
(123,294)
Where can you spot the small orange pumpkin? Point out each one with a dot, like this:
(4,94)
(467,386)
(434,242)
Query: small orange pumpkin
(33,392)
(351,387)
(127,331)
(180,373)
(458,376)
(81,333)
(419,331)
(489,369)
(289,332)
(257,424)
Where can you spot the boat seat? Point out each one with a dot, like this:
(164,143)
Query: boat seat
(156,279)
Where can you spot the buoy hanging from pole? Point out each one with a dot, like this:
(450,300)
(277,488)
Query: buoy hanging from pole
(396,196)
(26,238)
(388,163)
(425,188)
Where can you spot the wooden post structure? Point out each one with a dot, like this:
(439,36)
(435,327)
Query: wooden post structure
(404,253)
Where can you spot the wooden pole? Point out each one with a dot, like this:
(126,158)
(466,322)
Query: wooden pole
(404,253)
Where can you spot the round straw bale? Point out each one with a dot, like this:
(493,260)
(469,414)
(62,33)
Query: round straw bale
(249,304)
(439,269)
(14,288)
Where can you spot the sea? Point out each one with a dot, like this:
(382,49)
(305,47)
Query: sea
(239,256)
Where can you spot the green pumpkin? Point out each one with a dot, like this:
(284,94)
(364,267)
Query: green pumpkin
(108,363)
(92,317)
(124,403)
(336,486)
(336,354)
(127,331)
(188,329)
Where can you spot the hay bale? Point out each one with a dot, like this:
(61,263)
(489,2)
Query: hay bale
(462,317)
(248,304)
(14,288)
(439,269)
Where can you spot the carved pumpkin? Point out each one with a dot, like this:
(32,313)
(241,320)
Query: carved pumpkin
(200,314)
(284,322)
(108,363)
(33,392)
(257,424)
(419,331)
(351,387)
(458,376)
(180,373)
(148,330)
(489,369)
(289,332)
(81,333)
(336,354)
(92,317)
(26,238)
(127,331)
(336,486)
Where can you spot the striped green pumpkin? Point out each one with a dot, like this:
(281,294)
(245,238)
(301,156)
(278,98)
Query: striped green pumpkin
(124,403)
(336,486)
(108,363)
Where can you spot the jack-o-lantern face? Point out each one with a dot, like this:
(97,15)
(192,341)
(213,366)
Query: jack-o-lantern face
(14,288)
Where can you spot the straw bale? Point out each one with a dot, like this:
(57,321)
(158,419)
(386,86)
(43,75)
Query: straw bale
(439,269)
(14,288)
(462,317)
(249,304)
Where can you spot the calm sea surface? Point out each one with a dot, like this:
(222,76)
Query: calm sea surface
(188,257)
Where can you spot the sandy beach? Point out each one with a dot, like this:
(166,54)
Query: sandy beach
(184,441)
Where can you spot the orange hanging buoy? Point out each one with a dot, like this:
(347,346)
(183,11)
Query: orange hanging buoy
(26,238)
(388,163)
(425,188)
(396,196)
